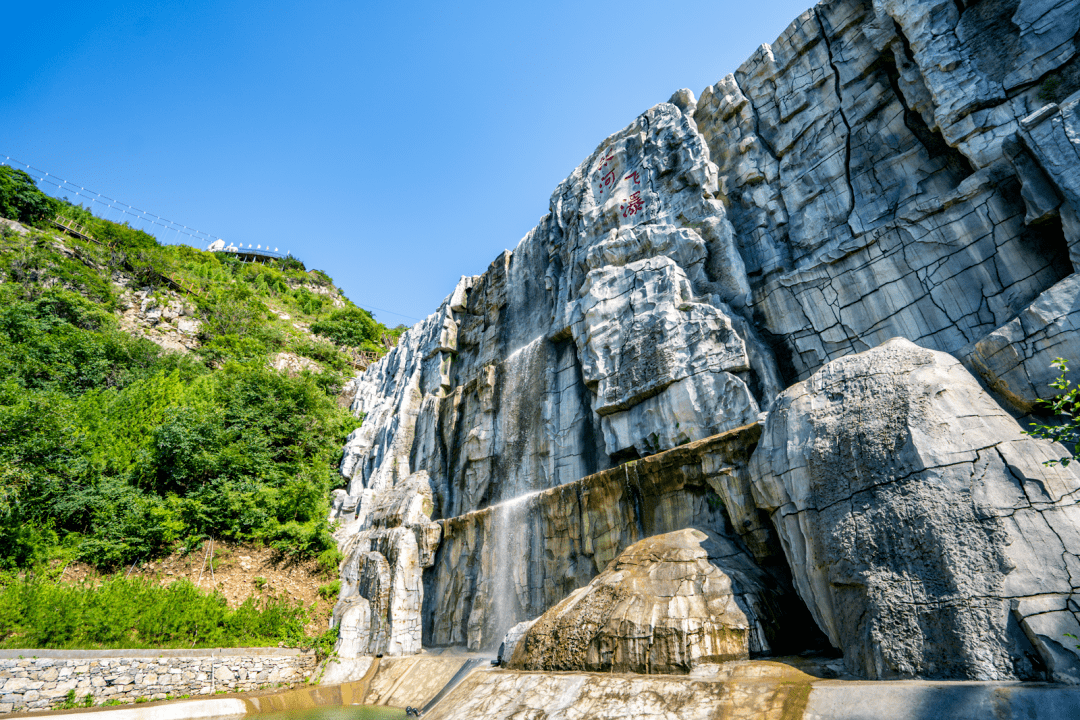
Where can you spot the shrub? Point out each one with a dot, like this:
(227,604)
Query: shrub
(290,263)
(20,198)
(1050,90)
(351,327)
(134,613)
(1064,406)
(115,450)
(330,590)
(329,560)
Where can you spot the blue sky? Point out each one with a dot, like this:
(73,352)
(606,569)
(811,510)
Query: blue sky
(396,146)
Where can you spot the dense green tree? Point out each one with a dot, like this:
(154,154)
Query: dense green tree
(114,450)
(20,198)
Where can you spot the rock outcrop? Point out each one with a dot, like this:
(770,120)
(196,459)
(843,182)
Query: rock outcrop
(920,524)
(516,559)
(666,604)
(886,168)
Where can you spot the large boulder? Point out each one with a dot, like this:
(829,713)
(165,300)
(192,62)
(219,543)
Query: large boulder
(922,527)
(666,604)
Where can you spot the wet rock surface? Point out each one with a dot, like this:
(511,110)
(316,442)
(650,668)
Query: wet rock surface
(748,690)
(516,560)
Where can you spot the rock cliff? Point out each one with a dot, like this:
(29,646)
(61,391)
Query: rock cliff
(887,169)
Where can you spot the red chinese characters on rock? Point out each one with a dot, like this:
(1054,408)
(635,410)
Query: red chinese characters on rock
(607,174)
(633,205)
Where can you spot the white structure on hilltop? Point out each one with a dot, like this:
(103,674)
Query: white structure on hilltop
(219,246)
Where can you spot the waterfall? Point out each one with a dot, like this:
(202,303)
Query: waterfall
(508,563)
(521,420)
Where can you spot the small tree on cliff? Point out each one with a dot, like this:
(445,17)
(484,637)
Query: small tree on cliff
(1065,406)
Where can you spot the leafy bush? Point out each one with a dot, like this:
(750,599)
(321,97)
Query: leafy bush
(114,450)
(137,613)
(323,352)
(133,449)
(1064,406)
(236,313)
(351,327)
(310,303)
(290,263)
(330,590)
(329,561)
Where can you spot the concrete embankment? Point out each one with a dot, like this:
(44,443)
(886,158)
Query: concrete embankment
(389,682)
(746,690)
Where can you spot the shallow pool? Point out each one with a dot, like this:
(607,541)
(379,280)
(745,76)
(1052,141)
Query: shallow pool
(336,712)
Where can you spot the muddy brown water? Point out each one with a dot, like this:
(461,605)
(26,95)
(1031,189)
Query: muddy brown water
(346,712)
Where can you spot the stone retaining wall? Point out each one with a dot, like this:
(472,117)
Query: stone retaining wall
(34,682)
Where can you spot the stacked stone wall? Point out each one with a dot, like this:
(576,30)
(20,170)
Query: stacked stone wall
(31,681)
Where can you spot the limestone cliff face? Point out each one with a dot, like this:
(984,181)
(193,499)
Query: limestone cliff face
(894,168)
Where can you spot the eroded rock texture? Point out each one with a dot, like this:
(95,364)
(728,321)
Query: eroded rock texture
(667,603)
(516,559)
(885,168)
(922,528)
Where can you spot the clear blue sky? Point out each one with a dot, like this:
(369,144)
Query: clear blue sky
(395,145)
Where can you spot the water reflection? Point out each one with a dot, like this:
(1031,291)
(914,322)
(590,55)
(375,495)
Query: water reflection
(347,712)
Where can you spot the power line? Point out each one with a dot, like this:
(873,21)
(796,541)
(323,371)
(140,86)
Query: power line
(113,204)
(168,225)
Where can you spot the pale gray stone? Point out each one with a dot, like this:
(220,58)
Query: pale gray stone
(916,517)
(1016,359)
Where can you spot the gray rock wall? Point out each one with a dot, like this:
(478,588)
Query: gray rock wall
(42,683)
(885,168)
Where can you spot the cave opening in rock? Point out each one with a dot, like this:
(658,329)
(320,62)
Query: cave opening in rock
(1047,241)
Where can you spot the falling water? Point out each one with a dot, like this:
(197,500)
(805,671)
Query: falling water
(520,420)
(522,397)
(509,563)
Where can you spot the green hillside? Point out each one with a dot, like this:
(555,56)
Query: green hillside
(114,449)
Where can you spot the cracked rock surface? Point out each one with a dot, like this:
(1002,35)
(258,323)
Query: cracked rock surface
(920,524)
(884,169)
(517,559)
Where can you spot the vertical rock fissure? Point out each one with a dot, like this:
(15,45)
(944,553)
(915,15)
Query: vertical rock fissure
(839,110)
(757,122)
(931,140)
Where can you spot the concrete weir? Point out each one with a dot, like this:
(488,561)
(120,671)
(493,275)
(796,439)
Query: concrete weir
(745,690)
